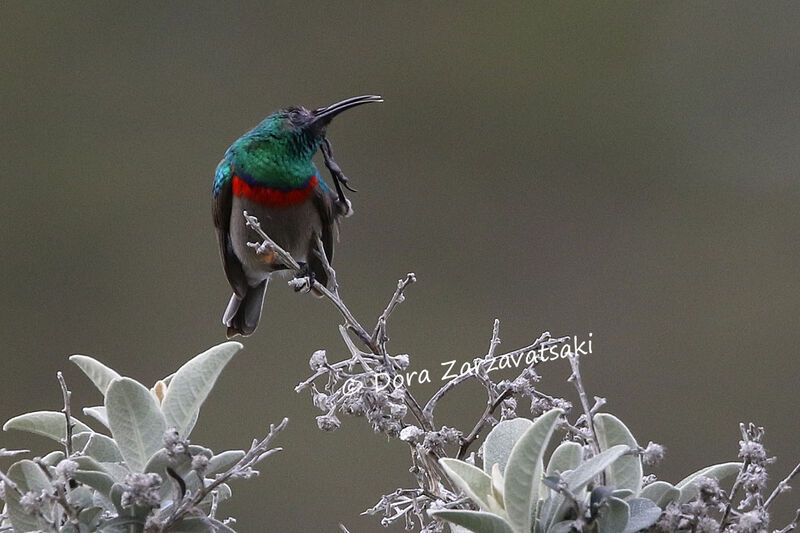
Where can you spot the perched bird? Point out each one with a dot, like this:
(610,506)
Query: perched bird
(268,172)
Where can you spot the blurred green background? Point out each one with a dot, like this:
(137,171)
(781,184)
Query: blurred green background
(625,169)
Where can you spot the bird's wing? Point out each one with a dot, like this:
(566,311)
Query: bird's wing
(221,208)
(325,202)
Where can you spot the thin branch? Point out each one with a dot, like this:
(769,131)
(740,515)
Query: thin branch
(257,452)
(495,342)
(397,298)
(268,245)
(67,413)
(791,525)
(491,407)
(575,378)
(782,486)
(543,341)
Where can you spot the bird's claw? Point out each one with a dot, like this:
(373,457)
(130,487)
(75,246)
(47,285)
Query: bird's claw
(304,281)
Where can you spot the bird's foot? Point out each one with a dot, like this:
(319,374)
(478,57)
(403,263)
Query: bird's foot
(304,281)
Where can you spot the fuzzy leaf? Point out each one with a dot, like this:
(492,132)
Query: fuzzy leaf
(98,413)
(49,424)
(643,514)
(100,374)
(28,477)
(661,493)
(53,458)
(614,517)
(137,423)
(191,385)
(224,460)
(100,481)
(524,471)
(567,456)
(500,440)
(688,487)
(476,521)
(100,447)
(472,480)
(587,470)
(625,472)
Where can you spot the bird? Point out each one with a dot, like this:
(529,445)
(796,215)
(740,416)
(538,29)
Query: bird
(269,173)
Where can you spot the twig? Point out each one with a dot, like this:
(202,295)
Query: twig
(736,484)
(491,407)
(268,245)
(320,252)
(67,413)
(352,324)
(9,484)
(782,486)
(543,341)
(257,452)
(11,453)
(397,298)
(575,378)
(791,525)
(495,342)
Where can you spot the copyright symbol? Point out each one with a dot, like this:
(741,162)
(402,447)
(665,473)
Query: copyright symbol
(351,386)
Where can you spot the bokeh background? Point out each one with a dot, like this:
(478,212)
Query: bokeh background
(629,170)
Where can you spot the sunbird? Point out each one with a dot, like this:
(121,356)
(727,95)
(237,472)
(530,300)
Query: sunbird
(269,173)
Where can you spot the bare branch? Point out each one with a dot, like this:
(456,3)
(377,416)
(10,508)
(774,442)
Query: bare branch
(67,413)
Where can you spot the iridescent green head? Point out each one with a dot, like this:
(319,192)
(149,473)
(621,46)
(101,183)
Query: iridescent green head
(279,150)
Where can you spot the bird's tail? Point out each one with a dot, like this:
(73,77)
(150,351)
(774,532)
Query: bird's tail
(242,314)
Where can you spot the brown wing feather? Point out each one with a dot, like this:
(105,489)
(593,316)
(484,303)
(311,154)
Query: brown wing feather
(326,204)
(221,208)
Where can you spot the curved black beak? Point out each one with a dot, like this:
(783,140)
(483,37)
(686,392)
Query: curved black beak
(326,114)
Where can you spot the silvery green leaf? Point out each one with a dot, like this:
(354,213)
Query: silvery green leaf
(476,521)
(661,493)
(136,422)
(100,481)
(223,461)
(116,470)
(614,518)
(98,413)
(80,497)
(456,528)
(100,374)
(622,493)
(556,506)
(191,385)
(472,480)
(46,423)
(91,517)
(567,456)
(625,472)
(53,458)
(28,477)
(116,495)
(524,471)
(500,440)
(643,514)
(688,487)
(586,471)
(100,447)
(86,462)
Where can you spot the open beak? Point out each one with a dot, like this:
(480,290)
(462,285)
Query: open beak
(326,114)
